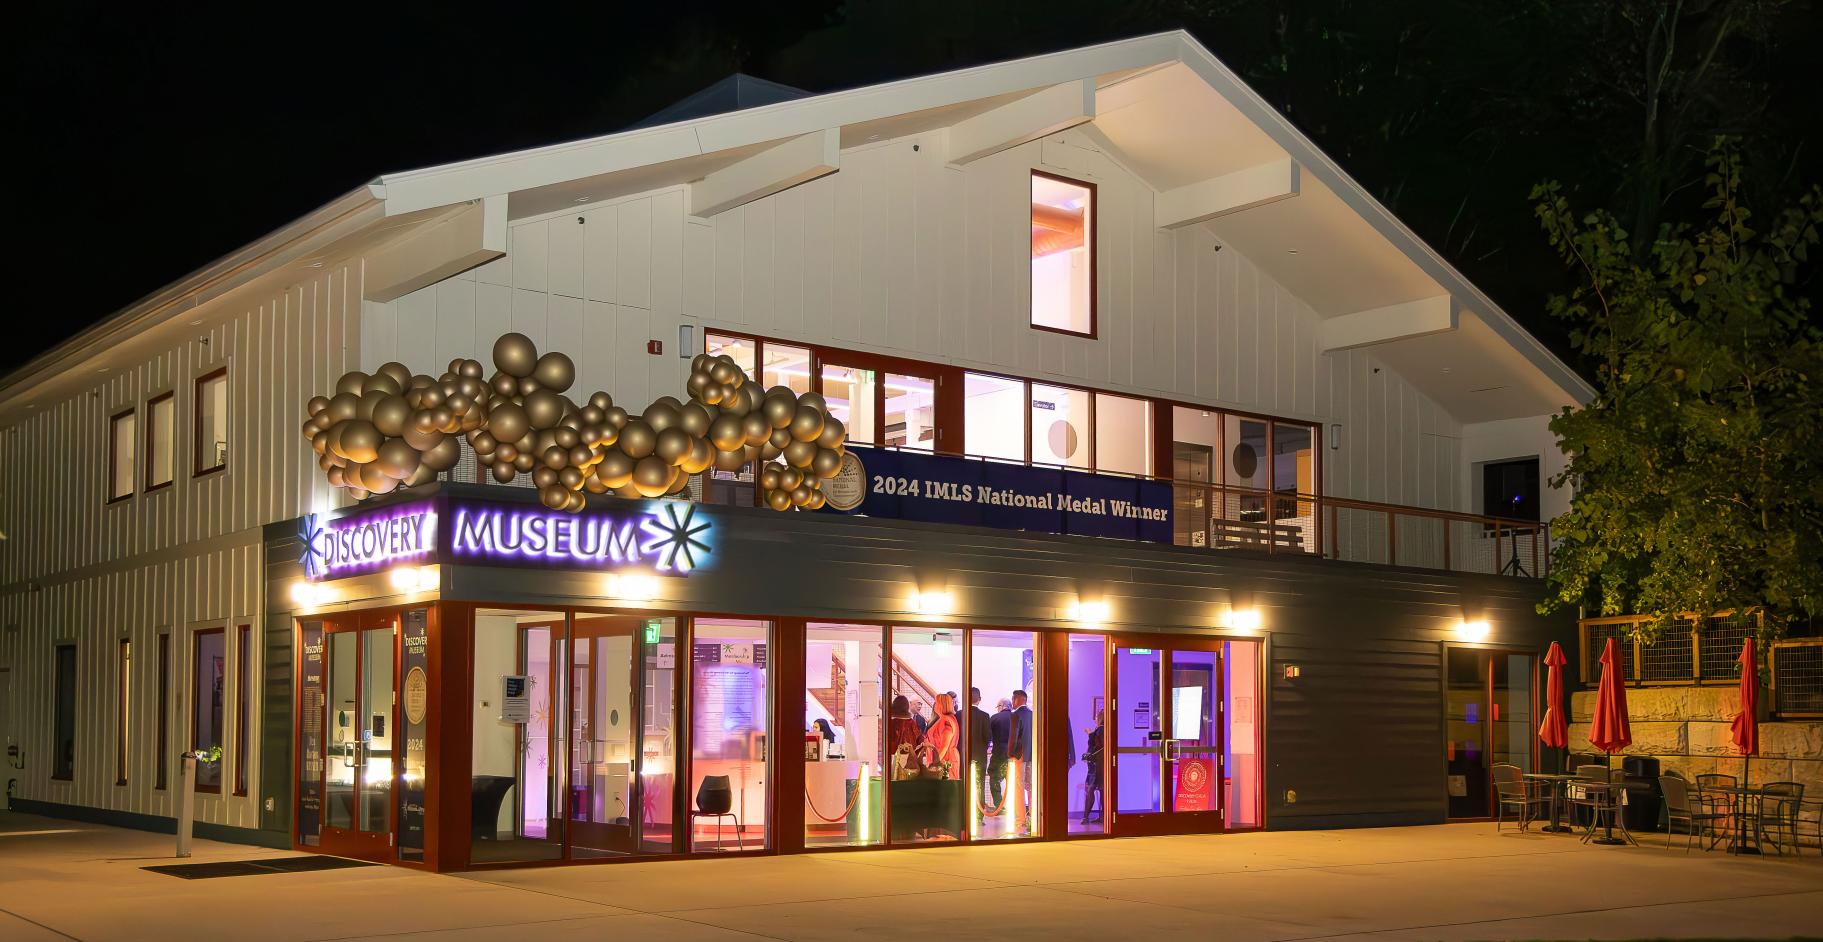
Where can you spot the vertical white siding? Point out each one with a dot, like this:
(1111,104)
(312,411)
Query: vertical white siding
(77,569)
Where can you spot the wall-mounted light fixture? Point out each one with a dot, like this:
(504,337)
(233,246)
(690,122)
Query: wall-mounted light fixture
(308,594)
(936,602)
(1088,611)
(1242,619)
(686,341)
(1335,436)
(632,587)
(413,578)
(1472,630)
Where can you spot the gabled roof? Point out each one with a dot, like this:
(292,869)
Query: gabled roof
(734,93)
(1161,104)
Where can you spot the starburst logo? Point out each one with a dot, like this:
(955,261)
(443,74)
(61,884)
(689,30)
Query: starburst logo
(310,531)
(676,537)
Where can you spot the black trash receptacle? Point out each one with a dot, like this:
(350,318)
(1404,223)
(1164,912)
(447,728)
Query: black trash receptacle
(1644,797)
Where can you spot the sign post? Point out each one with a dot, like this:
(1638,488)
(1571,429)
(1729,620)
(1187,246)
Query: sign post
(186,803)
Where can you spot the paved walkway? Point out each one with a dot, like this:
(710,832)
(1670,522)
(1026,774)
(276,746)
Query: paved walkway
(60,880)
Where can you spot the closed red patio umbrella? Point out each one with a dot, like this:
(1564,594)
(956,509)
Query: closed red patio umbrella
(1609,732)
(1554,731)
(1746,727)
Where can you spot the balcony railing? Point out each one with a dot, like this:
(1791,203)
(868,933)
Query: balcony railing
(1694,651)
(1797,677)
(1224,517)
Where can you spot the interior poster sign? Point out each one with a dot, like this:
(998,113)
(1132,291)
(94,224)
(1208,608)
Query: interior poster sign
(942,489)
(515,698)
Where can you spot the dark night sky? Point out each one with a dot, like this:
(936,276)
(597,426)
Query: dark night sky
(151,139)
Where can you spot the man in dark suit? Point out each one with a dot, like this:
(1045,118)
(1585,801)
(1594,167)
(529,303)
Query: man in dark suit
(1000,738)
(1021,749)
(977,743)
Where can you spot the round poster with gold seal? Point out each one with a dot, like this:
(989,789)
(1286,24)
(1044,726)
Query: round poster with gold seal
(848,488)
(417,695)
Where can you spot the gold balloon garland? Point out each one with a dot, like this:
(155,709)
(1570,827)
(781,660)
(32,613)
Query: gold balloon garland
(394,429)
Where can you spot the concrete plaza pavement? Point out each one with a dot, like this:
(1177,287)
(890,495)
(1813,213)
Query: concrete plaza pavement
(62,880)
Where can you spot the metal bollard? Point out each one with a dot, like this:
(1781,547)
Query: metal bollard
(186,803)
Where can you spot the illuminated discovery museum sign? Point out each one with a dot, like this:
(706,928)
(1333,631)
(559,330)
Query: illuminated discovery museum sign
(666,536)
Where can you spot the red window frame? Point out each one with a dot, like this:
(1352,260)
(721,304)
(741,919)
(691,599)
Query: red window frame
(243,697)
(196,423)
(114,458)
(151,427)
(196,707)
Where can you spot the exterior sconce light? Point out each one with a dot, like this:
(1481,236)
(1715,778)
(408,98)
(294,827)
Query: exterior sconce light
(632,588)
(1476,630)
(1094,612)
(308,594)
(414,578)
(1243,619)
(932,603)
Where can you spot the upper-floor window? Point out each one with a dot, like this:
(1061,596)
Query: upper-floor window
(1509,489)
(123,443)
(1063,254)
(161,441)
(212,422)
(1062,426)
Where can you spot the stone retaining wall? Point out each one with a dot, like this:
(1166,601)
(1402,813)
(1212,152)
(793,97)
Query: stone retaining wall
(1687,729)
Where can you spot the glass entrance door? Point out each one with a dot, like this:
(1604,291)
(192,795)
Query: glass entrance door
(361,718)
(604,737)
(1167,743)
(1490,700)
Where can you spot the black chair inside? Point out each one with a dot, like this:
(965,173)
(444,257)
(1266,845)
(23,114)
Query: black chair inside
(715,795)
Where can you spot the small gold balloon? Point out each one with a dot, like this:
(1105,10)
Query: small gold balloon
(834,433)
(615,469)
(524,463)
(693,418)
(504,472)
(730,460)
(544,477)
(554,496)
(780,438)
(701,456)
(826,464)
(351,383)
(507,422)
(779,407)
(817,500)
(315,405)
(424,475)
(602,401)
(398,459)
(815,401)
(554,457)
(617,416)
(582,456)
(544,409)
(800,495)
(755,428)
(445,455)
(344,406)
(382,384)
(482,442)
(790,479)
(506,451)
(593,485)
(651,475)
(391,415)
(800,454)
(778,500)
(360,441)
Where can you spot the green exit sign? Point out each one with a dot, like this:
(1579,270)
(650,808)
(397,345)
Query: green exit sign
(652,631)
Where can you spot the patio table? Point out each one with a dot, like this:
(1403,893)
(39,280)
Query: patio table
(1615,799)
(1556,781)
(1741,795)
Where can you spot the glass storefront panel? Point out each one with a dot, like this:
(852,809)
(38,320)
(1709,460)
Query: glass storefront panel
(658,738)
(1060,426)
(994,414)
(1195,459)
(844,735)
(851,394)
(1086,714)
(1194,738)
(729,721)
(1241,708)
(926,796)
(911,412)
(787,366)
(209,670)
(1511,721)
(344,741)
(1465,696)
(602,767)
(1123,434)
(740,349)
(516,758)
(1294,472)
(374,804)
(1003,670)
(1246,465)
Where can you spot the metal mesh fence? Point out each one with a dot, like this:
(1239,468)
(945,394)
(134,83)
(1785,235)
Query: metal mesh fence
(1671,657)
(1721,646)
(1797,678)
(1595,639)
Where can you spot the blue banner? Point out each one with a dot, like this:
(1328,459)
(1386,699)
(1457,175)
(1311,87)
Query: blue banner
(942,489)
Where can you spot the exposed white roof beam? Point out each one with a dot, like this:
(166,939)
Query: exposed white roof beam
(799,160)
(1017,122)
(1229,193)
(473,235)
(1387,324)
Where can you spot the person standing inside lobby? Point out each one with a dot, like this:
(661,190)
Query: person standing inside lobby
(977,746)
(1021,753)
(1000,737)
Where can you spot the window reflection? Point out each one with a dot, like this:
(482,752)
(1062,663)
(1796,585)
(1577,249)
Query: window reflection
(740,349)
(728,734)
(924,736)
(1003,755)
(851,394)
(1086,715)
(911,412)
(787,366)
(994,414)
(1063,227)
(1123,434)
(844,735)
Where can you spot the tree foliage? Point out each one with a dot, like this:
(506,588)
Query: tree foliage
(1698,467)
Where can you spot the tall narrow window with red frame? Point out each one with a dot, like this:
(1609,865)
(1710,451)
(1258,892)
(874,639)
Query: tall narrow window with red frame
(1063,254)
(207,682)
(212,421)
(243,698)
(123,440)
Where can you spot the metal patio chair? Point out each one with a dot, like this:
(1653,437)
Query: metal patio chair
(1682,807)
(1777,816)
(1513,794)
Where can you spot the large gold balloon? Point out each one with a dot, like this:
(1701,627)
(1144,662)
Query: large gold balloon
(729,460)
(359,441)
(391,414)
(638,439)
(651,475)
(351,383)
(544,408)
(833,434)
(445,455)
(615,469)
(398,372)
(778,500)
(779,407)
(815,401)
(673,445)
(507,422)
(382,384)
(554,371)
(554,496)
(725,433)
(694,419)
(344,406)
(398,459)
(525,462)
(515,355)
(800,454)
(826,464)
(755,428)
(701,456)
(662,414)
(807,424)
